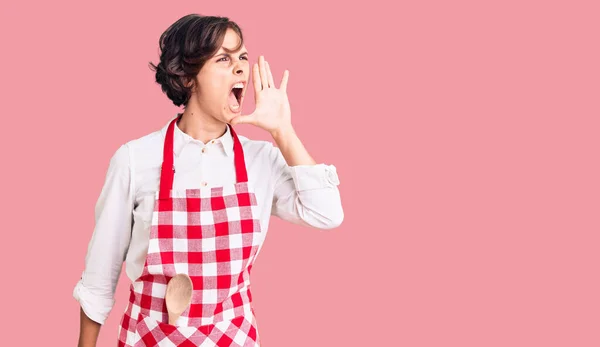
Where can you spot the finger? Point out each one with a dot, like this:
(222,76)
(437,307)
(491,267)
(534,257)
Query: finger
(269,75)
(243,120)
(284,80)
(263,72)
(256,80)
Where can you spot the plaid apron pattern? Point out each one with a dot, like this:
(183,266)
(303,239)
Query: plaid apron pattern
(212,234)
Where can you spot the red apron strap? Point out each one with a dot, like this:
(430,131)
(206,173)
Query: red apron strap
(238,156)
(167,170)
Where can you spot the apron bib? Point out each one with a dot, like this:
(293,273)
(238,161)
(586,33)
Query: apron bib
(212,235)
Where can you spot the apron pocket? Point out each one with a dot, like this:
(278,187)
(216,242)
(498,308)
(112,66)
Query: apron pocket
(150,332)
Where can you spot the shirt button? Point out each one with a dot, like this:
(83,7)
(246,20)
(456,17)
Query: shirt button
(203,149)
(204,184)
(213,141)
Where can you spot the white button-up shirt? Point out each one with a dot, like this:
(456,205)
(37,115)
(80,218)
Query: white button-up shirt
(304,194)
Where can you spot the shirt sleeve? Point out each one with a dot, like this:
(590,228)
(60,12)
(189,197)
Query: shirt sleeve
(109,242)
(306,194)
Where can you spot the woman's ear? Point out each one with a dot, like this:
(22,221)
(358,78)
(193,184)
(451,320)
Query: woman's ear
(191,83)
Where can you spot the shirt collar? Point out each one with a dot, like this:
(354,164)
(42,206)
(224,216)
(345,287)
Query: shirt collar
(181,139)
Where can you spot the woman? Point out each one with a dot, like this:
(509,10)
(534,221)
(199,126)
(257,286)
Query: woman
(196,198)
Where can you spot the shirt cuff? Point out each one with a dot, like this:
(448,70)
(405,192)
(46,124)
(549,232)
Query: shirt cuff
(95,307)
(307,177)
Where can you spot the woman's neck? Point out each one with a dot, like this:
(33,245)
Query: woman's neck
(201,127)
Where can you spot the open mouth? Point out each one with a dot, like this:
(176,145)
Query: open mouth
(235,96)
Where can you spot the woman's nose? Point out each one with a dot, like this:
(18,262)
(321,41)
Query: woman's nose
(238,69)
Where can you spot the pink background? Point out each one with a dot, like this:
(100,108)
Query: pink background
(465,134)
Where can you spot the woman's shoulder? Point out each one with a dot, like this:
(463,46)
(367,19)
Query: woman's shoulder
(139,152)
(147,142)
(258,148)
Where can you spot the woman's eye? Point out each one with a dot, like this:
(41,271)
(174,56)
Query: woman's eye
(226,58)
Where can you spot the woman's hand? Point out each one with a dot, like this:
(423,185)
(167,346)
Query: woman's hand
(272,111)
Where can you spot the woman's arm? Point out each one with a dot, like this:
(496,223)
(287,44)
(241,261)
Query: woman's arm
(107,248)
(88,331)
(305,193)
(291,147)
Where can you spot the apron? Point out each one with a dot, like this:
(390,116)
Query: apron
(213,235)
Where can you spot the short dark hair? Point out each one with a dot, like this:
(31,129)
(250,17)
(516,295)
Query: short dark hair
(184,48)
